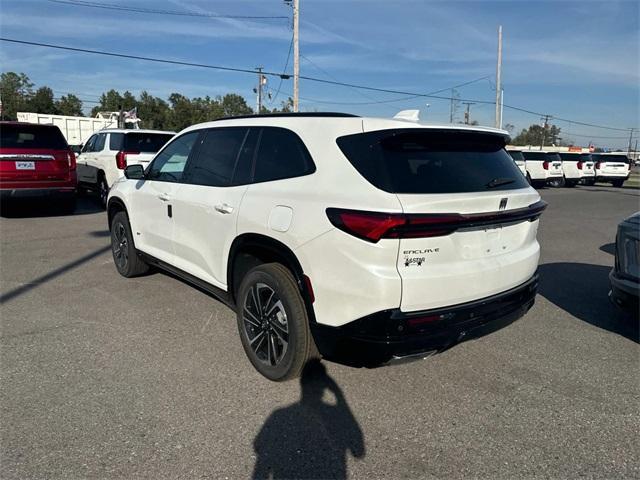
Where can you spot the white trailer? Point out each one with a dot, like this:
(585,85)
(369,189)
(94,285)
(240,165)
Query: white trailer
(77,130)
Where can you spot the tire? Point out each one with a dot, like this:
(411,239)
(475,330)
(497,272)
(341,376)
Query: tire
(590,181)
(618,183)
(103,190)
(570,183)
(273,323)
(125,256)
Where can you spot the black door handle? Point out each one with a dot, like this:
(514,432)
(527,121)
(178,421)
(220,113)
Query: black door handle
(169,211)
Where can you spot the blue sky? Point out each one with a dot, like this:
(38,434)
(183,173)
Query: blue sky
(573,59)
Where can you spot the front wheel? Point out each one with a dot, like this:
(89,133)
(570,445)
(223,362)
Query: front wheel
(125,256)
(273,323)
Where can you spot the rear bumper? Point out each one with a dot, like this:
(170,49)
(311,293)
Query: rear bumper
(609,177)
(58,192)
(381,336)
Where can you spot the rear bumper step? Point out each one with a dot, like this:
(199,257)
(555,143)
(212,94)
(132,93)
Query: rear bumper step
(389,334)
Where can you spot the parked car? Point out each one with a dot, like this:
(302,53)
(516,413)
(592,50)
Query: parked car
(106,154)
(612,168)
(36,162)
(625,275)
(578,168)
(518,158)
(543,167)
(374,237)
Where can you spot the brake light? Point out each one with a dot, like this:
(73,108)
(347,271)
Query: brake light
(373,226)
(579,165)
(121,159)
(71,157)
(545,165)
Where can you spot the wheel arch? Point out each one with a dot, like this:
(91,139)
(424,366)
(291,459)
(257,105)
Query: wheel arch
(114,206)
(251,249)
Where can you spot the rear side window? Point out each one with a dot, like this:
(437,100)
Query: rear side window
(516,155)
(432,161)
(281,154)
(31,136)
(115,141)
(98,146)
(217,157)
(145,142)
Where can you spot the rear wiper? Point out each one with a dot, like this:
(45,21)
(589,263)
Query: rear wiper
(496,182)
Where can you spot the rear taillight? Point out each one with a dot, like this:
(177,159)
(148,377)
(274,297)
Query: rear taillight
(545,165)
(579,165)
(71,157)
(598,166)
(121,159)
(373,226)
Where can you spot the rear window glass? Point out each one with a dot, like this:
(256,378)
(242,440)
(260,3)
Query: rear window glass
(516,155)
(145,142)
(575,157)
(432,161)
(542,156)
(31,136)
(614,158)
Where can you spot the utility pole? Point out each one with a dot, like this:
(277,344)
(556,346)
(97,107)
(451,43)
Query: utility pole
(499,80)
(630,137)
(453,106)
(261,81)
(296,53)
(544,130)
(467,118)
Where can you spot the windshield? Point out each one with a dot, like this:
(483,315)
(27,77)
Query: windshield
(432,161)
(31,136)
(145,142)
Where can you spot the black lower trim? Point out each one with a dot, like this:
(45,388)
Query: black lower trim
(56,192)
(383,335)
(217,292)
(624,292)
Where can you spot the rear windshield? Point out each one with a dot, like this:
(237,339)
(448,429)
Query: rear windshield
(432,161)
(145,142)
(575,157)
(32,136)
(614,158)
(542,156)
(516,155)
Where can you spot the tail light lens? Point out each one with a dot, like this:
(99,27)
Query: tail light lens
(579,165)
(545,165)
(121,159)
(373,226)
(71,157)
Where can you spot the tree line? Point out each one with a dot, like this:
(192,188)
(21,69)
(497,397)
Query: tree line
(17,94)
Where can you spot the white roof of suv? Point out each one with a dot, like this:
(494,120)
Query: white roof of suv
(136,130)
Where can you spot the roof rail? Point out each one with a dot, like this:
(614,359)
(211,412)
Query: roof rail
(298,114)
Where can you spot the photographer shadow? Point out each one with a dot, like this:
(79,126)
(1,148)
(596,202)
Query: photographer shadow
(310,438)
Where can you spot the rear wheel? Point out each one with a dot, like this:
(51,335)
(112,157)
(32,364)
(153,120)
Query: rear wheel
(103,191)
(125,256)
(570,183)
(618,183)
(273,323)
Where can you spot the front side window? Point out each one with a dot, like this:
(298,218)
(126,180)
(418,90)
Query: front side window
(169,164)
(281,154)
(98,145)
(432,161)
(217,157)
(89,145)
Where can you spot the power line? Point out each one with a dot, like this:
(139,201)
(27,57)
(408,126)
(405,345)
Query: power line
(311,79)
(110,6)
(284,71)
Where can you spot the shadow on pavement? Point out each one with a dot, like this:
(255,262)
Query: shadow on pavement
(310,438)
(609,248)
(36,282)
(582,290)
(46,208)
(100,233)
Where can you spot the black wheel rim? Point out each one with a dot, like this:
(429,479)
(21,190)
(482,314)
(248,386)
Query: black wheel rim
(120,246)
(265,324)
(104,192)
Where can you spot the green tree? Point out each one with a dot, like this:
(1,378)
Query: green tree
(234,105)
(534,135)
(69,105)
(182,112)
(112,101)
(15,89)
(42,101)
(153,111)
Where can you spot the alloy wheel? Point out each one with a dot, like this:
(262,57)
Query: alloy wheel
(265,324)
(120,246)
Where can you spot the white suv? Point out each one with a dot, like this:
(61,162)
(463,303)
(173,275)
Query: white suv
(543,167)
(578,167)
(612,167)
(336,235)
(106,153)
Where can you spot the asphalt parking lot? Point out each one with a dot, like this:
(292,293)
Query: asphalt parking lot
(101,376)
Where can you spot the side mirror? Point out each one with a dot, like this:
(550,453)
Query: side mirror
(134,172)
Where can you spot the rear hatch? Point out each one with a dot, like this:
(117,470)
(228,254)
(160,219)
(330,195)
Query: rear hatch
(470,226)
(33,153)
(554,163)
(141,147)
(613,165)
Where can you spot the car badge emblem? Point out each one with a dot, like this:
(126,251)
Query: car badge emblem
(503,203)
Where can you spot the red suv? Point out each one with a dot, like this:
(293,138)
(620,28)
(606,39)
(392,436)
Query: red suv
(35,161)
